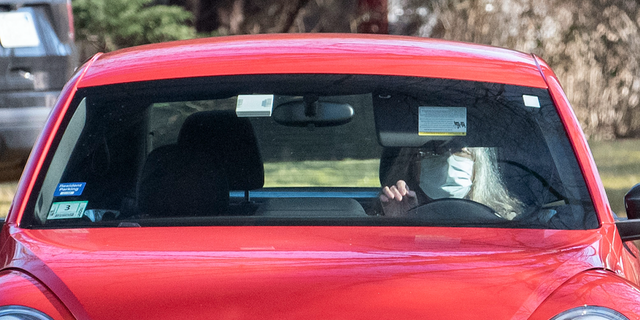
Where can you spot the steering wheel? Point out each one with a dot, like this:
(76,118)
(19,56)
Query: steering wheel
(453,211)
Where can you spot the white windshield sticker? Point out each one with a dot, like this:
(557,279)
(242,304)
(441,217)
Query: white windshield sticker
(531,101)
(254,105)
(17,30)
(442,121)
(67,210)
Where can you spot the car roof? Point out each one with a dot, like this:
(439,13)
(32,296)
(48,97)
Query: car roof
(315,53)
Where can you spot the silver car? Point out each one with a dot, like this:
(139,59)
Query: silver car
(37,57)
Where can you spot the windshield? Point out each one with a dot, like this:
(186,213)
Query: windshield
(312,150)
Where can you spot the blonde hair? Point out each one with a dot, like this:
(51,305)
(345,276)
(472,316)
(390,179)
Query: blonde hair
(488,187)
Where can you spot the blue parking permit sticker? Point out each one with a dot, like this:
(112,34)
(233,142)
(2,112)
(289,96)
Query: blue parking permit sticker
(69,189)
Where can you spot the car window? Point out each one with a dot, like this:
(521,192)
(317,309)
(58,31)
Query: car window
(312,150)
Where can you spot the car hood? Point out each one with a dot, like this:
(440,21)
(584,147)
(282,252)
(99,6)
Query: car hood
(304,272)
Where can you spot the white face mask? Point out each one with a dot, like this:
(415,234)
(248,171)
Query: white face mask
(446,176)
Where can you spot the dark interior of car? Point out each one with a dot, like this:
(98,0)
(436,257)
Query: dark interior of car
(178,153)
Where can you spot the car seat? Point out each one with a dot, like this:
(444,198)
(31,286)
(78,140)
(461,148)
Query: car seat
(181,181)
(232,141)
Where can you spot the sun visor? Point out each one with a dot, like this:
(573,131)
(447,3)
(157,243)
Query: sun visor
(404,122)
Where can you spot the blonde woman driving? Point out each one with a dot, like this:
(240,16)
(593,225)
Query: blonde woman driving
(419,176)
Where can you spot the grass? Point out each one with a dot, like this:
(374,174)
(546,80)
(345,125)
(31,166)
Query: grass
(347,173)
(619,166)
(618,163)
(7,189)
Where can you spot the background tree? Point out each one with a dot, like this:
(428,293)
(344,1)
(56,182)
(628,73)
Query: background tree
(115,24)
(226,17)
(108,25)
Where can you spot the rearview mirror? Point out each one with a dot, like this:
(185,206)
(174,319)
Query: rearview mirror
(310,111)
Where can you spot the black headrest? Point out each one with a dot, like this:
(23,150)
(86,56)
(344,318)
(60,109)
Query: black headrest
(229,138)
(180,182)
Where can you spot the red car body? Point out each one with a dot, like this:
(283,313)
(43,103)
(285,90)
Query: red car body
(312,272)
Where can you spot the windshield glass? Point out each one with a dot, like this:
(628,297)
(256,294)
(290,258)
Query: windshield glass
(312,150)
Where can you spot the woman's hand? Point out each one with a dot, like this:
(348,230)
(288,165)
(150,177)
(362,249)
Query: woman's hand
(398,199)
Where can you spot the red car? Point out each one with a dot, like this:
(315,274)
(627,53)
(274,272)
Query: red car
(316,177)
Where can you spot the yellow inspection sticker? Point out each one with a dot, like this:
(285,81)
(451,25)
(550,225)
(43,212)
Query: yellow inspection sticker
(67,210)
(442,121)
